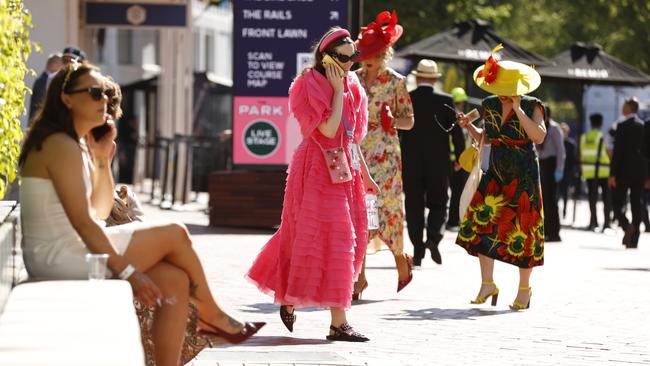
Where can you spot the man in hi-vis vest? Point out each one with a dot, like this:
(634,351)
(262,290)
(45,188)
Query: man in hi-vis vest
(594,163)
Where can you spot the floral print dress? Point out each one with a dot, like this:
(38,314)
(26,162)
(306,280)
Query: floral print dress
(504,220)
(384,158)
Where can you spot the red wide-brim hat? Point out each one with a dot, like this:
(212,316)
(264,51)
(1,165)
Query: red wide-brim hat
(378,35)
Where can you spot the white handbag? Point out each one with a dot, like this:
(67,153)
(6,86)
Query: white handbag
(472,183)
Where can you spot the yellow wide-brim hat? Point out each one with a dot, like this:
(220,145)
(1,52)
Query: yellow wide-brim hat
(512,78)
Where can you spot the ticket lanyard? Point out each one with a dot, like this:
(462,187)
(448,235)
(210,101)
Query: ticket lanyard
(349,130)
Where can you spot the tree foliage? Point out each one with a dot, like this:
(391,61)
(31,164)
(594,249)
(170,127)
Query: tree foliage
(547,27)
(15,46)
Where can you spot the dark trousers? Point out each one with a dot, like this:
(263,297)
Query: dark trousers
(568,184)
(620,196)
(457,183)
(646,203)
(430,192)
(549,195)
(592,187)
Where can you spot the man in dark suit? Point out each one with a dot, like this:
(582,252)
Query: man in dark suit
(629,170)
(39,88)
(426,166)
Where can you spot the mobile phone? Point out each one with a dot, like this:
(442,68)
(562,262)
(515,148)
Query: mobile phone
(327,59)
(101,131)
(473,115)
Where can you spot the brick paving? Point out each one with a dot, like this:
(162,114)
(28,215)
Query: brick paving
(590,306)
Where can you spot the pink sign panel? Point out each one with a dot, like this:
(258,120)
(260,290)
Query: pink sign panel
(263,131)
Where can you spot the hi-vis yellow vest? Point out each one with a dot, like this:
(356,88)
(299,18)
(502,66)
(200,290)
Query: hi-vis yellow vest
(588,155)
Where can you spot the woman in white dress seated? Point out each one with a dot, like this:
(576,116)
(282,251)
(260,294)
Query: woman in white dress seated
(67,186)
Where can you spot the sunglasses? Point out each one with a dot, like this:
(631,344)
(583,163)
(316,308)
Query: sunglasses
(346,58)
(95,92)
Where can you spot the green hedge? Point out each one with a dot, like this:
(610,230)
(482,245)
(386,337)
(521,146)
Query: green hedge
(15,46)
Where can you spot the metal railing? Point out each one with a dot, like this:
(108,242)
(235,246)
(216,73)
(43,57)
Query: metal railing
(190,157)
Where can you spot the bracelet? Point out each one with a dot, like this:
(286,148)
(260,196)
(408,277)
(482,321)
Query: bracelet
(126,272)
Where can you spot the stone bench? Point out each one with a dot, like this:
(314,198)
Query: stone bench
(61,322)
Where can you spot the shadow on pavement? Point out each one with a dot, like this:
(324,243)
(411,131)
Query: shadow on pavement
(270,308)
(628,269)
(442,314)
(214,230)
(266,341)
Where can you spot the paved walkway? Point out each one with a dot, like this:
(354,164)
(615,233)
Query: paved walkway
(590,306)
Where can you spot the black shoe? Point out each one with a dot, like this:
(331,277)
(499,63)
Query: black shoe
(417,262)
(433,247)
(288,318)
(629,235)
(418,254)
(552,238)
(345,333)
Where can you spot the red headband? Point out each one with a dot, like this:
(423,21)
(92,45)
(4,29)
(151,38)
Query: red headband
(339,33)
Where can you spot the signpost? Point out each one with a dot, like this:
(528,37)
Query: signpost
(272,43)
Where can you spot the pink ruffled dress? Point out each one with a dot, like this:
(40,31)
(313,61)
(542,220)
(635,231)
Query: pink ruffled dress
(316,254)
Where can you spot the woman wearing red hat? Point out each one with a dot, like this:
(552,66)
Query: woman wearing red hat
(389,109)
(504,220)
(316,254)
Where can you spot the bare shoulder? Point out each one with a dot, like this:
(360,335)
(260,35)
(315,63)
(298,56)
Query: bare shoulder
(60,144)
(60,149)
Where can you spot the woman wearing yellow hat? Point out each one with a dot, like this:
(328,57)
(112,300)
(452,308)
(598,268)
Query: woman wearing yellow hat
(504,220)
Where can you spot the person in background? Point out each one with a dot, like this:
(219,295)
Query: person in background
(427,167)
(72,54)
(646,185)
(571,177)
(628,170)
(594,164)
(389,110)
(551,164)
(458,175)
(41,83)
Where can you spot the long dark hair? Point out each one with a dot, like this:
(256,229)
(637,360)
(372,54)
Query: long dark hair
(318,56)
(54,117)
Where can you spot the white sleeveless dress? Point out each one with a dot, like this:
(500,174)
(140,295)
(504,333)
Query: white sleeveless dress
(52,249)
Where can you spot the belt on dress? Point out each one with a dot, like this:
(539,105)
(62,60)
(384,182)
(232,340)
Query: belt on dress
(509,142)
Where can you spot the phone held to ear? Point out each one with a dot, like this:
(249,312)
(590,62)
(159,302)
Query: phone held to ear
(101,131)
(327,59)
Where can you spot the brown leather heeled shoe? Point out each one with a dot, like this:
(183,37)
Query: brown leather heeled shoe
(402,283)
(356,296)
(248,331)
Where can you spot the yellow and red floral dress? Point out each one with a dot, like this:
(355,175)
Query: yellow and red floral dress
(505,218)
(382,153)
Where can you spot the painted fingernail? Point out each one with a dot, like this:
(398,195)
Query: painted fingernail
(158,302)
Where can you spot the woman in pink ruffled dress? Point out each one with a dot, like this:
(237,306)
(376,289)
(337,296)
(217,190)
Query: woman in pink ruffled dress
(316,254)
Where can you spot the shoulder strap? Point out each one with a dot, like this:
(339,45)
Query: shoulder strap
(321,147)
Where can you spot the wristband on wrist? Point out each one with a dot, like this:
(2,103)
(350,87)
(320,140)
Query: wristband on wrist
(126,272)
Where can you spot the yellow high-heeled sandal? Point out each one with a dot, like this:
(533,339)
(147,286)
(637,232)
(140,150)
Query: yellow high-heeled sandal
(521,306)
(494,294)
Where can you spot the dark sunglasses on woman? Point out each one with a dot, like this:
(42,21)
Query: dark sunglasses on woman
(346,58)
(95,92)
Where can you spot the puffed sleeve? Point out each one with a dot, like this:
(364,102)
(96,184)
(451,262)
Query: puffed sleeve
(361,108)
(310,98)
(403,105)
